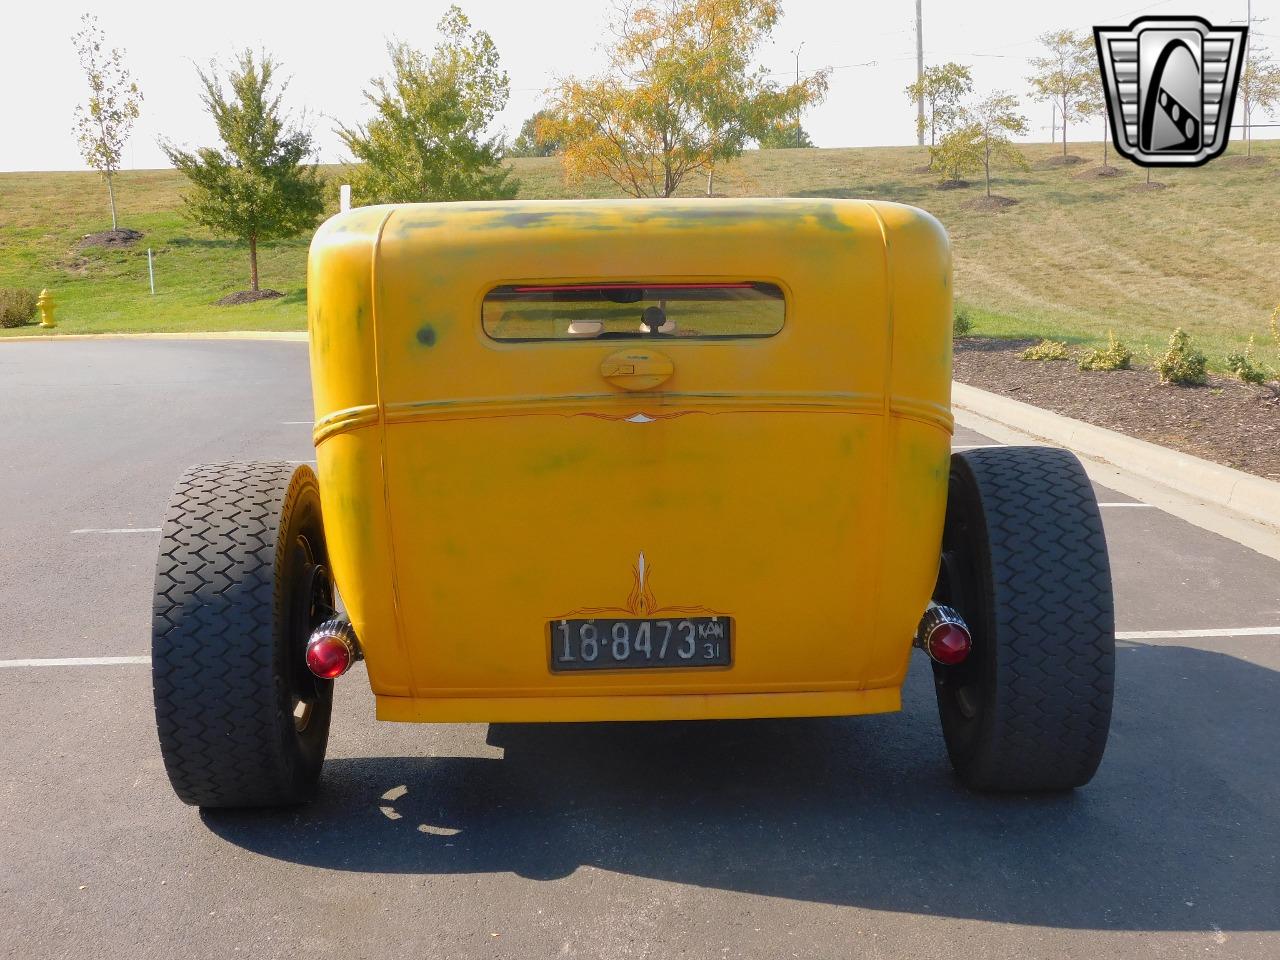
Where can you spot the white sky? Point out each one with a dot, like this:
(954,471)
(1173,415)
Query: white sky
(331,51)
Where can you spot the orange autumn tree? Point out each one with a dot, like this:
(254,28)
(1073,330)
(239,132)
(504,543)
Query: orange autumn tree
(679,96)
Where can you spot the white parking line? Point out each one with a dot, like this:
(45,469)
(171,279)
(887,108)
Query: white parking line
(1120,635)
(117,530)
(1193,634)
(1145,506)
(75,662)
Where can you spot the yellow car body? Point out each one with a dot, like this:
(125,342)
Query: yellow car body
(478,491)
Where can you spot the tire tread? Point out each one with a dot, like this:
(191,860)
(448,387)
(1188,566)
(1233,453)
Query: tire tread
(1054,621)
(217,682)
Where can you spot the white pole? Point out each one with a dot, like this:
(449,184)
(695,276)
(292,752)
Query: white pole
(151,272)
(920,75)
(344,197)
(1248,106)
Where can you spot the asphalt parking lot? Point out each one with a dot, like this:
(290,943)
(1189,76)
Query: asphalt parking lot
(770,839)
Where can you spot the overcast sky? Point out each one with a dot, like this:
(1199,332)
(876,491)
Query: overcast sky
(332,50)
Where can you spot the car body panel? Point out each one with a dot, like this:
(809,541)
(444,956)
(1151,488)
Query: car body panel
(475,491)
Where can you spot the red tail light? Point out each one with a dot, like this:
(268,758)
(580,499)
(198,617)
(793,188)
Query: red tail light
(948,644)
(331,650)
(944,635)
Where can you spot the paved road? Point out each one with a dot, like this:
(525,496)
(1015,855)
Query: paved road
(768,839)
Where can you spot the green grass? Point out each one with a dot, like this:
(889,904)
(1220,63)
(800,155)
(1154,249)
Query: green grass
(44,215)
(1071,260)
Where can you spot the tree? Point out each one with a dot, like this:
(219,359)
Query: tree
(256,187)
(941,89)
(784,136)
(1093,103)
(679,95)
(1259,90)
(103,124)
(426,141)
(1106,129)
(530,142)
(958,152)
(994,122)
(1066,76)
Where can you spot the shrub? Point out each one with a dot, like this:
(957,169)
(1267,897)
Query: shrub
(1116,357)
(1182,364)
(1046,350)
(17,307)
(961,322)
(1248,369)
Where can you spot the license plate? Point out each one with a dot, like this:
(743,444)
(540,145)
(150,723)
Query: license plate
(607,643)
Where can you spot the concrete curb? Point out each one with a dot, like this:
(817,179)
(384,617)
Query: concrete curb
(282,335)
(1235,504)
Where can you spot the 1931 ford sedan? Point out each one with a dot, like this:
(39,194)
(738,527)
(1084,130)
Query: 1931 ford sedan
(597,460)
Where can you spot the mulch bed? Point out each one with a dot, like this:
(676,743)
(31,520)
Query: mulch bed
(993,202)
(110,238)
(952,185)
(1229,422)
(247,296)
(1100,171)
(1059,161)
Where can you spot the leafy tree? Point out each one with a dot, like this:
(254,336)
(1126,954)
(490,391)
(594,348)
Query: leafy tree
(256,186)
(679,95)
(1066,76)
(942,89)
(784,136)
(426,141)
(994,121)
(958,152)
(103,124)
(531,142)
(1259,90)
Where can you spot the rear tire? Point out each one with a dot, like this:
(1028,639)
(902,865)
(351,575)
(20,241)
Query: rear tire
(241,581)
(1025,563)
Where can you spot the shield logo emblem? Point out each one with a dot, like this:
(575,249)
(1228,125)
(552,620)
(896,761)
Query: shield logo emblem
(1170,84)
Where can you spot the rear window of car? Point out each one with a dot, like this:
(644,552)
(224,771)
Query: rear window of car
(634,311)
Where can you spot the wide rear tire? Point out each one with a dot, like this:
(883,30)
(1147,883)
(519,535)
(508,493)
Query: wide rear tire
(242,579)
(1025,563)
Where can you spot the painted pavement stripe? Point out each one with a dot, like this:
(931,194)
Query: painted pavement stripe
(117,530)
(1193,634)
(1120,635)
(75,662)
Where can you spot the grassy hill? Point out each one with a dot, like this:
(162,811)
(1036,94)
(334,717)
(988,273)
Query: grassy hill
(1075,256)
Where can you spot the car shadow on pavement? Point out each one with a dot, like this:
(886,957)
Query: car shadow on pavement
(1177,832)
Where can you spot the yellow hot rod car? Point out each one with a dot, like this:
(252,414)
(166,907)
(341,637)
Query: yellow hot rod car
(640,460)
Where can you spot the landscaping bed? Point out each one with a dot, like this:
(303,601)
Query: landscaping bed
(1228,422)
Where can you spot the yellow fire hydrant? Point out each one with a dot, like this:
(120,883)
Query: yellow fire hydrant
(46,304)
